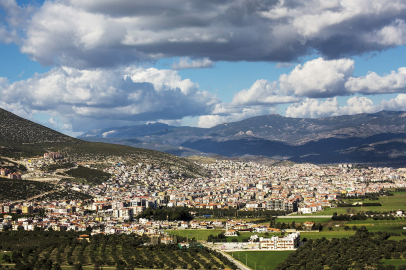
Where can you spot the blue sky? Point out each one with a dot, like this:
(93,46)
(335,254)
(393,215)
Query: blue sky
(78,65)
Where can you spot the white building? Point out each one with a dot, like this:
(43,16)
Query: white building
(291,241)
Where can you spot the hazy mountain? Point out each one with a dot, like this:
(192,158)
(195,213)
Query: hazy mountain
(320,140)
(22,138)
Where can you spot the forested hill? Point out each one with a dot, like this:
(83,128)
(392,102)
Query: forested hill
(23,138)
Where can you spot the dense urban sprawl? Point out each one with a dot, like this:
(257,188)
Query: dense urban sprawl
(304,188)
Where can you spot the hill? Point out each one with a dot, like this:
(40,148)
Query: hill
(22,138)
(362,138)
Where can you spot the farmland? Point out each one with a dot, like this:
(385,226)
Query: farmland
(266,260)
(389,203)
(65,250)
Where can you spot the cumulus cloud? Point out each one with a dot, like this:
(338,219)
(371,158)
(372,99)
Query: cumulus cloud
(318,78)
(224,114)
(185,63)
(372,83)
(99,98)
(99,33)
(312,108)
(262,92)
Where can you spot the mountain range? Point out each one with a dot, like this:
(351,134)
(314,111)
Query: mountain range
(361,138)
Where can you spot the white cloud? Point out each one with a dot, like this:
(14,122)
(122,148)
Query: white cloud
(53,122)
(391,35)
(184,63)
(262,92)
(312,108)
(86,99)
(372,83)
(233,114)
(100,33)
(318,78)
(3,80)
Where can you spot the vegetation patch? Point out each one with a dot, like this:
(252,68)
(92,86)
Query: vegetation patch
(167,213)
(361,251)
(267,260)
(56,250)
(67,194)
(57,166)
(389,203)
(195,234)
(12,190)
(92,176)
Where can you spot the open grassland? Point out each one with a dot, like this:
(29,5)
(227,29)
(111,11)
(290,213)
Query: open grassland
(301,220)
(389,203)
(200,235)
(394,262)
(266,260)
(327,234)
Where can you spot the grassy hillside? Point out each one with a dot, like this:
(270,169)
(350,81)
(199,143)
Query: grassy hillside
(11,190)
(22,138)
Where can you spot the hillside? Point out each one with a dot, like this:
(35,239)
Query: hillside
(321,140)
(22,138)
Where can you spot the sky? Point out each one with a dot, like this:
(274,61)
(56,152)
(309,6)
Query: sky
(76,65)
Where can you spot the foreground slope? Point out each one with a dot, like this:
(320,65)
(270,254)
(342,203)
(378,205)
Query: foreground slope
(22,138)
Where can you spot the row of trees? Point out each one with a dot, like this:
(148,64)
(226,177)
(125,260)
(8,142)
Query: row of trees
(53,250)
(362,216)
(167,213)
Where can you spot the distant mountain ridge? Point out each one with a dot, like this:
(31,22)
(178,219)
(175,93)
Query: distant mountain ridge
(320,140)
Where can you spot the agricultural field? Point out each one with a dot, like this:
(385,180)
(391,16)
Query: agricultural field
(266,260)
(301,220)
(389,203)
(199,235)
(394,262)
(327,234)
(64,250)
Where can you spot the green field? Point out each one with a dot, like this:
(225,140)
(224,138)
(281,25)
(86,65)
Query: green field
(389,203)
(200,235)
(2,253)
(394,226)
(301,220)
(394,262)
(327,234)
(261,260)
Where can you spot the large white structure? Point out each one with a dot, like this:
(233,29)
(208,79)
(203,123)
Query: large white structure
(291,241)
